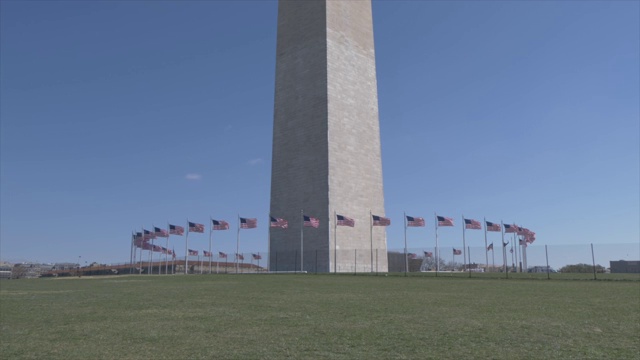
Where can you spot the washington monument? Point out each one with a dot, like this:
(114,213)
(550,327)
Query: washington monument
(326,139)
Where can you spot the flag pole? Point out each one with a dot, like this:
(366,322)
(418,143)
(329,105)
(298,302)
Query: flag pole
(524,256)
(486,253)
(268,245)
(437,251)
(201,260)
(166,258)
(238,245)
(335,243)
(135,257)
(149,255)
(210,231)
(371,235)
(520,249)
(186,250)
(464,245)
(151,252)
(517,255)
(302,240)
(513,261)
(504,253)
(133,248)
(131,252)
(406,261)
(141,248)
(493,258)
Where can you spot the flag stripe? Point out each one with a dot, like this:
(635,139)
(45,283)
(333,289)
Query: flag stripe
(345,221)
(472,224)
(380,221)
(219,225)
(194,227)
(444,221)
(176,230)
(248,223)
(279,223)
(492,227)
(415,221)
(309,221)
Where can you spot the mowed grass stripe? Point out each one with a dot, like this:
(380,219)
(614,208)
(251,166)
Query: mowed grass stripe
(318,316)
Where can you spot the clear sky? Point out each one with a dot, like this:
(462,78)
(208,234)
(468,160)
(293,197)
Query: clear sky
(121,114)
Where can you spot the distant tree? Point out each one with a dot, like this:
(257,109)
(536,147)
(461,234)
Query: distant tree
(581,268)
(453,266)
(430,263)
(19,271)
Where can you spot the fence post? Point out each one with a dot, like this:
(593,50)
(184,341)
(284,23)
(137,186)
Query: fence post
(593,259)
(546,254)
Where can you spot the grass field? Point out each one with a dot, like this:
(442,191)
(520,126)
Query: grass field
(318,316)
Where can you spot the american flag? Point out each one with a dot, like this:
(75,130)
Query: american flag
(472,224)
(219,225)
(138,242)
(206,253)
(415,221)
(492,227)
(246,223)
(457,252)
(173,254)
(146,246)
(278,222)
(310,221)
(138,236)
(239,256)
(256,256)
(412,255)
(345,221)
(193,252)
(148,235)
(164,250)
(193,227)
(510,228)
(504,244)
(160,232)
(380,221)
(428,254)
(490,247)
(176,230)
(444,221)
(222,255)
(530,237)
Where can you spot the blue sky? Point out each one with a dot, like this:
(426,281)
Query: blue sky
(118,115)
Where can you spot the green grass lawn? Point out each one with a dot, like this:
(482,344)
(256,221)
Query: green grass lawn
(318,316)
